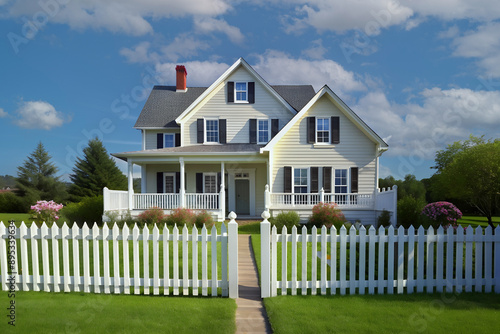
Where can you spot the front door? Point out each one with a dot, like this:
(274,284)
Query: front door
(242,188)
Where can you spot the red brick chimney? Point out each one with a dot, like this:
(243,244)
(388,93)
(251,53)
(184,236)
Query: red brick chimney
(181,78)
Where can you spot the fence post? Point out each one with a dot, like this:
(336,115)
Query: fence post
(394,218)
(267,198)
(106,200)
(222,202)
(232,250)
(322,195)
(497,259)
(265,260)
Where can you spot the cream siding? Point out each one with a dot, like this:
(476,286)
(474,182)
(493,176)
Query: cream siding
(237,114)
(354,150)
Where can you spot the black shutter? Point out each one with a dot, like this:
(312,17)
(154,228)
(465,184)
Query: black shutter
(200,134)
(354,179)
(314,179)
(177,139)
(177,182)
(311,130)
(327,179)
(275,127)
(335,122)
(159,182)
(218,181)
(288,179)
(253,131)
(159,140)
(251,92)
(199,183)
(230,91)
(222,131)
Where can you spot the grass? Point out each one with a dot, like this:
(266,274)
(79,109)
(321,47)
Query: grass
(416,313)
(476,221)
(40,312)
(18,217)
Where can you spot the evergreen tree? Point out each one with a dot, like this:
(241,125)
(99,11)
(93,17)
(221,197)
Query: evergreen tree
(37,180)
(95,171)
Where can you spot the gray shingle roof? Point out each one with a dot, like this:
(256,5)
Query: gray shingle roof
(164,105)
(226,148)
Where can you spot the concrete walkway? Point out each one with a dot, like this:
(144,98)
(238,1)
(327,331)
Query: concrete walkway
(250,315)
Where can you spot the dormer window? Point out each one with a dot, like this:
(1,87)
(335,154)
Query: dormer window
(240,92)
(322,130)
(262,131)
(169,140)
(212,132)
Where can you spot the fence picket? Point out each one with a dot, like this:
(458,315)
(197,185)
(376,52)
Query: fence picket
(204,261)
(86,258)
(284,261)
(304,262)
(371,260)
(459,283)
(401,259)
(430,260)
(156,261)
(314,260)
(381,257)
(75,232)
(439,259)
(323,260)
(469,238)
(214,260)
(34,256)
(105,258)
(488,264)
(225,287)
(55,256)
(274,261)
(117,287)
(195,261)
(294,260)
(136,259)
(23,235)
(352,260)
(126,260)
(420,259)
(185,261)
(390,260)
(449,259)
(410,280)
(45,257)
(166,261)
(333,260)
(145,256)
(95,246)
(497,259)
(175,253)
(343,255)
(478,277)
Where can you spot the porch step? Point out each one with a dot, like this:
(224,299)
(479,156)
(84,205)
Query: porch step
(251,315)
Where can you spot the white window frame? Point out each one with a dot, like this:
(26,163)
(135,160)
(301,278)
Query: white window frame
(348,183)
(164,186)
(308,179)
(210,174)
(236,91)
(268,130)
(206,131)
(329,131)
(165,139)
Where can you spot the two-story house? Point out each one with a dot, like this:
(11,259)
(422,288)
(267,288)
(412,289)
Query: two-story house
(243,145)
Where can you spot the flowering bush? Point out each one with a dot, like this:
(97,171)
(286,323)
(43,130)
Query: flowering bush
(327,214)
(152,216)
(46,211)
(181,216)
(203,218)
(442,214)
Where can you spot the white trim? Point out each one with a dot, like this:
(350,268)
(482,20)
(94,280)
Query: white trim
(165,174)
(239,91)
(268,131)
(232,185)
(143,132)
(351,115)
(240,62)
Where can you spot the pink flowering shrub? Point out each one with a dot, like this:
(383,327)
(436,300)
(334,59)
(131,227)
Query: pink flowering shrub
(203,218)
(327,214)
(46,211)
(181,216)
(152,216)
(442,214)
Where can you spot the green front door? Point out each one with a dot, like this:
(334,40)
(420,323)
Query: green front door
(242,196)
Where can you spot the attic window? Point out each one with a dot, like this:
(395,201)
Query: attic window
(240,92)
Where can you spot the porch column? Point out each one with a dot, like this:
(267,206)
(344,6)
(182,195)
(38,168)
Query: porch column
(130,185)
(182,187)
(222,192)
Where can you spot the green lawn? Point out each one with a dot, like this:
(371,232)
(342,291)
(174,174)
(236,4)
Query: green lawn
(475,221)
(40,312)
(18,217)
(417,313)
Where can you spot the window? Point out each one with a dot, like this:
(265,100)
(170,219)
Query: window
(322,130)
(169,140)
(300,180)
(341,181)
(212,130)
(169,186)
(240,92)
(210,183)
(262,131)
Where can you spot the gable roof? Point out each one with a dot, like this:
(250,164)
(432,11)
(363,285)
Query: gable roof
(351,115)
(164,105)
(239,63)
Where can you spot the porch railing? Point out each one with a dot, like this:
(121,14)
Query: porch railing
(350,200)
(163,201)
(202,201)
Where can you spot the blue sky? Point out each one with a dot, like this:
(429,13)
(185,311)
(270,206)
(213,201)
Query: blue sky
(421,74)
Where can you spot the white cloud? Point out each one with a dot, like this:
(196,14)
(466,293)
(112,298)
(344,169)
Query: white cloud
(39,115)
(279,68)
(316,51)
(483,44)
(125,16)
(443,116)
(209,25)
(3,113)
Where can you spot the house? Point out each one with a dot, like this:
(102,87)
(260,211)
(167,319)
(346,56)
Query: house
(246,146)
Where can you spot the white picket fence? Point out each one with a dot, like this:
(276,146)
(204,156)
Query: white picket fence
(383,262)
(32,272)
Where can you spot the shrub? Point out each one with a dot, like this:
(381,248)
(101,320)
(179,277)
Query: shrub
(88,210)
(327,214)
(181,216)
(288,219)
(384,219)
(152,216)
(46,211)
(10,203)
(203,218)
(442,214)
(409,210)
